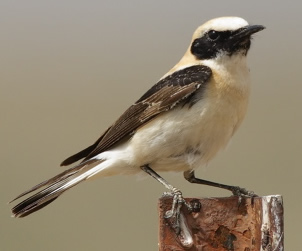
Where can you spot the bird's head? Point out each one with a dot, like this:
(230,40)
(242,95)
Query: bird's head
(224,36)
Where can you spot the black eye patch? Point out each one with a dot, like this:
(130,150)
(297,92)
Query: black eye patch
(213,35)
(210,44)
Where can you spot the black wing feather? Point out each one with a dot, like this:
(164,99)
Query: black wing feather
(163,96)
(82,154)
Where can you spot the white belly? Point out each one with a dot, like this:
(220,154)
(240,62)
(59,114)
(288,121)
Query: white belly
(186,138)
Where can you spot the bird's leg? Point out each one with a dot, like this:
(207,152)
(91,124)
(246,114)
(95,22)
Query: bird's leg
(236,190)
(178,199)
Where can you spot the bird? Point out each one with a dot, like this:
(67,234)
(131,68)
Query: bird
(178,125)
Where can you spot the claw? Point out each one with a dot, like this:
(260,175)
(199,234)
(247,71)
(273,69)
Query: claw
(239,191)
(174,213)
(242,193)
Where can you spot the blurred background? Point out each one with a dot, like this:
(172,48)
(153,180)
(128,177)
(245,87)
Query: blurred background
(63,63)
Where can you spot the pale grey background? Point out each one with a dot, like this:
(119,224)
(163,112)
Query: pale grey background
(69,68)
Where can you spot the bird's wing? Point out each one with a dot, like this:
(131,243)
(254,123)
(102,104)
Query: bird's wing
(176,88)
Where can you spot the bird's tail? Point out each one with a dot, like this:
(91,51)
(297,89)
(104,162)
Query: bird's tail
(54,187)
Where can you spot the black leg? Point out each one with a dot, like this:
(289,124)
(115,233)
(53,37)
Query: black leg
(238,191)
(156,176)
(178,199)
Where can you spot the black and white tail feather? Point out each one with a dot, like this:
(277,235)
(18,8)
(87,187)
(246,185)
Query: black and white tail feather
(52,188)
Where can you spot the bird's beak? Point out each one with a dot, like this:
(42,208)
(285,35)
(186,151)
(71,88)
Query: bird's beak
(246,32)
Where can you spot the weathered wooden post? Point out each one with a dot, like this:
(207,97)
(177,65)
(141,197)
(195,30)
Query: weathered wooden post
(220,224)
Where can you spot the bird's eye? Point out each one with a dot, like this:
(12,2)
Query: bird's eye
(213,35)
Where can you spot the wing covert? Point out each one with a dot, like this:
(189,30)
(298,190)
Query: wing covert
(165,95)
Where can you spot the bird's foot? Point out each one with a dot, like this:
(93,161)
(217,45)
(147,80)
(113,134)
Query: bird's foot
(174,213)
(242,192)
